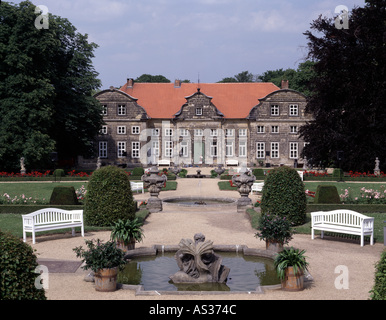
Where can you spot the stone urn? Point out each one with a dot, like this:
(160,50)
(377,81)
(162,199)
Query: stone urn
(176,170)
(244,182)
(219,170)
(154,183)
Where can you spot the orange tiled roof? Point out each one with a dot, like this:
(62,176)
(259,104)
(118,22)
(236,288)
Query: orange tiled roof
(164,100)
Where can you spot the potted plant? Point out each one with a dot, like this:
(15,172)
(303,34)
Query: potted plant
(290,265)
(275,231)
(127,233)
(105,260)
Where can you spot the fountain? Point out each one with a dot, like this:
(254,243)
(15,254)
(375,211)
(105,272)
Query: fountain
(244,183)
(198,263)
(154,183)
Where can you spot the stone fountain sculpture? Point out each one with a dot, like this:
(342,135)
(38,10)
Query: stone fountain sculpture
(154,183)
(198,263)
(244,183)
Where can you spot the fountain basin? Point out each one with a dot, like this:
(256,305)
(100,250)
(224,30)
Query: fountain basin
(200,201)
(252,272)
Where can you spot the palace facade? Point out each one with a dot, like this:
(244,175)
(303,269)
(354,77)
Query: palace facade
(206,123)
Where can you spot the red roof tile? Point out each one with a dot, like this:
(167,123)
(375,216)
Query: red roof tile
(234,100)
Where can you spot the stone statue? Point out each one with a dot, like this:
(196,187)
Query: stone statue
(377,171)
(22,166)
(198,263)
(99,163)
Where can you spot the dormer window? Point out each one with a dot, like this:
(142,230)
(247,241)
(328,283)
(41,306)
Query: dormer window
(199,111)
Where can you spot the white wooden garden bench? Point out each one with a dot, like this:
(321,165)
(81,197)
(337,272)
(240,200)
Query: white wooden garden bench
(164,162)
(136,186)
(51,219)
(231,162)
(343,221)
(257,186)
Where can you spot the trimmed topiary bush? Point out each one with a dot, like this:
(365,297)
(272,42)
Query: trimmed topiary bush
(17,265)
(64,195)
(109,197)
(58,173)
(138,171)
(284,195)
(259,174)
(326,194)
(338,174)
(379,290)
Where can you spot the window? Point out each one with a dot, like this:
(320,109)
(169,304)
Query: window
(293,129)
(102,149)
(168,132)
(121,149)
(184,149)
(274,110)
(213,149)
(242,148)
(293,149)
(135,149)
(229,132)
(135,130)
(275,129)
(121,109)
(242,132)
(213,132)
(198,132)
(229,149)
(155,148)
(103,130)
(260,129)
(104,110)
(121,130)
(168,148)
(184,132)
(274,149)
(155,132)
(198,111)
(293,110)
(260,150)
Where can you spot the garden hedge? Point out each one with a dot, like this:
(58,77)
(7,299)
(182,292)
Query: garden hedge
(326,194)
(379,290)
(63,195)
(109,197)
(284,195)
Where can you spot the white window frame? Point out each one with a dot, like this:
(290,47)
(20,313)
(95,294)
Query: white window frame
(229,132)
(199,111)
(275,110)
(103,130)
(155,132)
(229,150)
(260,150)
(275,150)
(155,148)
(135,149)
(293,110)
(121,129)
(260,129)
(293,150)
(213,132)
(213,148)
(121,149)
(104,110)
(135,130)
(242,132)
(169,149)
(242,148)
(168,132)
(198,132)
(184,132)
(294,129)
(121,109)
(274,129)
(184,148)
(102,152)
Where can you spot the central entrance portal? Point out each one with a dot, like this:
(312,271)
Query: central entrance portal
(199,152)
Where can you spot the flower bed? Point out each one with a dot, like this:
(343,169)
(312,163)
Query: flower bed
(367,196)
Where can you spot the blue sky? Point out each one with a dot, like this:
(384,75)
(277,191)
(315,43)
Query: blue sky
(182,39)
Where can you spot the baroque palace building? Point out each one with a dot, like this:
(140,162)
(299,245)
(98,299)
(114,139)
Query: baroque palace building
(206,123)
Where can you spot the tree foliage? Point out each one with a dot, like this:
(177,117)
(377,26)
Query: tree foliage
(349,89)
(150,78)
(244,76)
(46,85)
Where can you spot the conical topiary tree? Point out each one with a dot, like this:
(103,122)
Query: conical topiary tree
(284,195)
(109,197)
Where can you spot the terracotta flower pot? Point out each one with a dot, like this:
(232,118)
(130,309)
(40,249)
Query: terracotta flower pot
(272,245)
(106,280)
(292,281)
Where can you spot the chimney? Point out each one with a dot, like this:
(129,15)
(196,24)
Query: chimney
(130,82)
(284,84)
(177,83)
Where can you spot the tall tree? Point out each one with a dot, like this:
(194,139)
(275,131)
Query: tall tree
(244,76)
(150,78)
(349,90)
(46,85)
